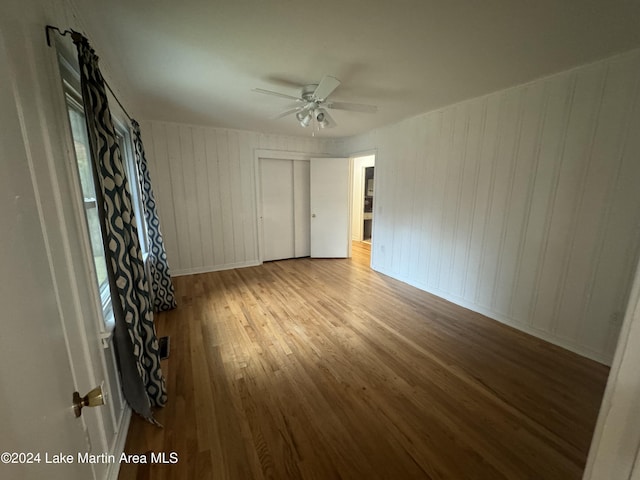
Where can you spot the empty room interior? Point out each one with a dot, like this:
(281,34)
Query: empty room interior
(286,239)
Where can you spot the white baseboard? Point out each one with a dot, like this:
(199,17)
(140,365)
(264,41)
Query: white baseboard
(214,268)
(546,336)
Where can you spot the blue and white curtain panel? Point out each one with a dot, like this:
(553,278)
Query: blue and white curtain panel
(162,291)
(135,335)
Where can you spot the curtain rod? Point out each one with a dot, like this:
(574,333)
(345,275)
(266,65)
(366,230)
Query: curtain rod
(76,36)
(48,29)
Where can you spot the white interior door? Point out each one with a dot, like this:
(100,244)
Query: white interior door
(277,209)
(284,186)
(37,384)
(330,202)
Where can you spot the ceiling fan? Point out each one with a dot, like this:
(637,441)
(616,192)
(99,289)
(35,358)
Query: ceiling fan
(313,101)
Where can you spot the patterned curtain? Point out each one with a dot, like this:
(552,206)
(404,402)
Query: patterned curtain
(135,337)
(162,291)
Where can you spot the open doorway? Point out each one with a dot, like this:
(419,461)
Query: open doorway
(367,216)
(362,216)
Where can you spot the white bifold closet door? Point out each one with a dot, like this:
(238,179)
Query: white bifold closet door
(285,208)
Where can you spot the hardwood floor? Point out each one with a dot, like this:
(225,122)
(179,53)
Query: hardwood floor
(324,369)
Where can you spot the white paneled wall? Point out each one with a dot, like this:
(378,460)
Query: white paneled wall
(205,185)
(523,205)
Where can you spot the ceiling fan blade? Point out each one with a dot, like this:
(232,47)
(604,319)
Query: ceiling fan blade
(285,113)
(353,107)
(296,104)
(327,85)
(275,94)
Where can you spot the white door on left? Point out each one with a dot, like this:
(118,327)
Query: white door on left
(36,415)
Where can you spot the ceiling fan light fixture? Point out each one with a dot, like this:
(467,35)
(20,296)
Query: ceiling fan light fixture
(321,118)
(306,120)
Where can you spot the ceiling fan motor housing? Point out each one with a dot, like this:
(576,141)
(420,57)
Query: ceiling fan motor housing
(307,91)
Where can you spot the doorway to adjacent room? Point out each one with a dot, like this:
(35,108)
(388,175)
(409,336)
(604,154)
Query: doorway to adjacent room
(362,215)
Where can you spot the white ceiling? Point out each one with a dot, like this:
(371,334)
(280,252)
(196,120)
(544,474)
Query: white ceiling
(196,61)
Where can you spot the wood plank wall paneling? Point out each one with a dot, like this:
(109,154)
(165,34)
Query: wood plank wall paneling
(522,205)
(204,182)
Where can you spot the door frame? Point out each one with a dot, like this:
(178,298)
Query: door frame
(358,202)
(615,445)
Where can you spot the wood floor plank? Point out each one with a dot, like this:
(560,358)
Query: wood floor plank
(324,369)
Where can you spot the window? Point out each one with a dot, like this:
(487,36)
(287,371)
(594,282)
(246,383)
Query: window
(85,173)
(75,110)
(123,137)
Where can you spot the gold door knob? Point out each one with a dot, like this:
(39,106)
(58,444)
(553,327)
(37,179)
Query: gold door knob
(92,399)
